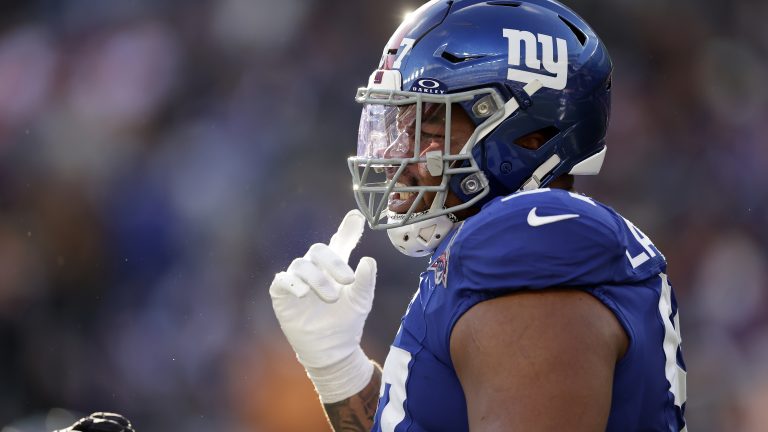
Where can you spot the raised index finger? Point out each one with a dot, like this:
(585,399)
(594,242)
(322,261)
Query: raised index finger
(350,230)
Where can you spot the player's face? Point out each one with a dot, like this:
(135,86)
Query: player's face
(433,139)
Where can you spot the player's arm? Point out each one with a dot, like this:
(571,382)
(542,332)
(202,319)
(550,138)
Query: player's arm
(538,361)
(356,413)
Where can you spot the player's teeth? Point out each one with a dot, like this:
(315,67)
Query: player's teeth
(403,195)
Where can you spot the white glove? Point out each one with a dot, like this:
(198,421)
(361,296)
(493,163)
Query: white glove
(322,306)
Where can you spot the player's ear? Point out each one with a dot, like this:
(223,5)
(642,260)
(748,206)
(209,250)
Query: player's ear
(537,138)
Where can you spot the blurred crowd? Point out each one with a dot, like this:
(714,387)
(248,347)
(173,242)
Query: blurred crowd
(160,160)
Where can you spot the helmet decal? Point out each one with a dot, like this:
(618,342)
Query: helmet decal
(406,35)
(428,85)
(557,67)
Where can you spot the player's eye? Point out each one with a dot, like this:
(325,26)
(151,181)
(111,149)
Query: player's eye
(428,137)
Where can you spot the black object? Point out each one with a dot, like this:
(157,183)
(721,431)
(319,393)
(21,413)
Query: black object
(101,422)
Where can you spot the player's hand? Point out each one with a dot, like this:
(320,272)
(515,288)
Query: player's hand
(101,422)
(322,305)
(320,302)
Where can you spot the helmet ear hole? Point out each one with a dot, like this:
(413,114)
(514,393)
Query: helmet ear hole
(534,140)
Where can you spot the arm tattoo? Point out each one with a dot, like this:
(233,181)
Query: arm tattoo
(355,414)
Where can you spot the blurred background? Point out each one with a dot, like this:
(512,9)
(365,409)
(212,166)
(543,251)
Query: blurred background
(160,160)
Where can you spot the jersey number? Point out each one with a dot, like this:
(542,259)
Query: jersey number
(672,370)
(393,380)
(644,241)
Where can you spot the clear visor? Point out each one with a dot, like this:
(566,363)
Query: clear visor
(392,132)
(408,147)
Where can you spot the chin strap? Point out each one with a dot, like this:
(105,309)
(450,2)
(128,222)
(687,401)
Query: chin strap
(420,238)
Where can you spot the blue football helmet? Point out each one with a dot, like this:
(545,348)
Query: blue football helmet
(507,68)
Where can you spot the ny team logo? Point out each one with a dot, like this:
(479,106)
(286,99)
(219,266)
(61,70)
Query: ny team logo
(557,67)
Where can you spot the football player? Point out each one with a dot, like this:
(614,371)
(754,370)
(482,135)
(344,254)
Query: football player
(541,309)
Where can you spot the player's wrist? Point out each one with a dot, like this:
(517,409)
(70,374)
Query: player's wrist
(342,379)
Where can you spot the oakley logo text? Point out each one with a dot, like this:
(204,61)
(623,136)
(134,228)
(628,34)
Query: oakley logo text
(428,85)
(558,68)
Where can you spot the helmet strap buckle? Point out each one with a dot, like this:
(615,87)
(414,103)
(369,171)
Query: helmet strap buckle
(522,97)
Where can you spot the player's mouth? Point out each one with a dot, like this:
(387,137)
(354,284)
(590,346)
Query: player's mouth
(400,202)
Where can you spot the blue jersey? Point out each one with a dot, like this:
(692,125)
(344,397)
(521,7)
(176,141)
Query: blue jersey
(532,241)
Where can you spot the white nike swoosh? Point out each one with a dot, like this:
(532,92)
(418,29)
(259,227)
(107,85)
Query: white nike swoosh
(535,220)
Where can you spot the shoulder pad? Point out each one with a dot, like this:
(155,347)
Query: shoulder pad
(538,239)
